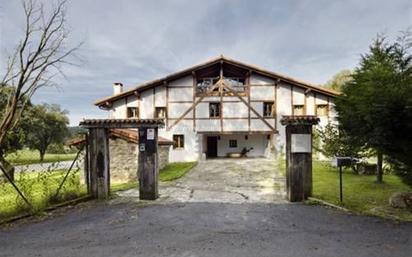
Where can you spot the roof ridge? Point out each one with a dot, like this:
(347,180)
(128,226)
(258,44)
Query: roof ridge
(209,62)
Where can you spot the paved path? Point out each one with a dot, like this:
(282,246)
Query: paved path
(221,208)
(207,229)
(227,181)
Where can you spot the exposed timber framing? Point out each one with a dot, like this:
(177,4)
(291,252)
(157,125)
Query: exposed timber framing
(252,109)
(154,102)
(192,107)
(291,100)
(255,132)
(167,104)
(304,103)
(194,99)
(328,109)
(276,102)
(248,99)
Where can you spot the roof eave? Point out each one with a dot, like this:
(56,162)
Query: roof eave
(181,73)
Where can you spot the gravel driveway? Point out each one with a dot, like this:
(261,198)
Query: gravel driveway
(226,181)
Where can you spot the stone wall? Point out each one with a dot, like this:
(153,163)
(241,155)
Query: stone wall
(163,151)
(123,159)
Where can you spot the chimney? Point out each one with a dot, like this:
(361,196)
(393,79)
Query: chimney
(117,88)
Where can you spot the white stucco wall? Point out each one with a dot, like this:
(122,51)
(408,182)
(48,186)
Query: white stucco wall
(180,96)
(160,96)
(298,96)
(258,142)
(146,104)
(235,125)
(231,110)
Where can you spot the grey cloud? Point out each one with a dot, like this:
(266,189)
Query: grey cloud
(135,41)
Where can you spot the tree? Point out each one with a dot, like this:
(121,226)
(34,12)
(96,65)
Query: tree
(47,125)
(36,60)
(339,80)
(376,106)
(14,139)
(331,141)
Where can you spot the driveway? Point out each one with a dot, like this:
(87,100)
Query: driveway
(206,229)
(221,208)
(225,181)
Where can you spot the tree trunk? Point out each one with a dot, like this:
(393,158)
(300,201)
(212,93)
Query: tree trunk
(42,153)
(379,171)
(8,168)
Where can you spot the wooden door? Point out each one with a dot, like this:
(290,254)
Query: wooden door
(211,146)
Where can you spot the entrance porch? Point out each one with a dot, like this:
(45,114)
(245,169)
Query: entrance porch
(237,145)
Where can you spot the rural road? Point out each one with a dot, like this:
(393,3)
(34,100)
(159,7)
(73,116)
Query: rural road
(206,229)
(43,166)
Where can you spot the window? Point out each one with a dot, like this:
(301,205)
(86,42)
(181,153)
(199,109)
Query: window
(160,112)
(214,110)
(322,110)
(132,112)
(268,109)
(299,110)
(232,143)
(178,141)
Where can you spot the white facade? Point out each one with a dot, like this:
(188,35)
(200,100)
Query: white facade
(240,119)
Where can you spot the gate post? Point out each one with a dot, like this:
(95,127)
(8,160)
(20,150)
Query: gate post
(148,168)
(299,156)
(98,158)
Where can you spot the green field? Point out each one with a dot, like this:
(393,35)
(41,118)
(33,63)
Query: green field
(175,170)
(26,156)
(39,188)
(361,193)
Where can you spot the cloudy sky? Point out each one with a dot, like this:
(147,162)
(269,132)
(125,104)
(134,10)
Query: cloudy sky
(132,41)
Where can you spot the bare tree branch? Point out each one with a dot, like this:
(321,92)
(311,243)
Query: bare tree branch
(37,59)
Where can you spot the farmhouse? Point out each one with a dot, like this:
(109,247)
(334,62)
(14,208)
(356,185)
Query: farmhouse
(221,108)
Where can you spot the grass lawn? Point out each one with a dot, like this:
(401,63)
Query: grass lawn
(26,156)
(124,186)
(360,192)
(39,188)
(175,170)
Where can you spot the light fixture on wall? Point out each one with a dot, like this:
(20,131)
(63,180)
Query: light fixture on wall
(268,137)
(218,137)
(246,137)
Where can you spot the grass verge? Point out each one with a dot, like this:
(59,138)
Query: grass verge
(39,188)
(175,170)
(361,193)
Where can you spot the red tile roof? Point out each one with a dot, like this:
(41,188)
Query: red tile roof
(114,122)
(129,135)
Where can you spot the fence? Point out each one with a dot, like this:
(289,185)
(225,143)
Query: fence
(38,185)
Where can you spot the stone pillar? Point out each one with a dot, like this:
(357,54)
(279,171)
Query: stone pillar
(299,156)
(148,164)
(99,174)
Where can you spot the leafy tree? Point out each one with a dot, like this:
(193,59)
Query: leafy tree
(331,141)
(339,80)
(47,125)
(14,138)
(376,106)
